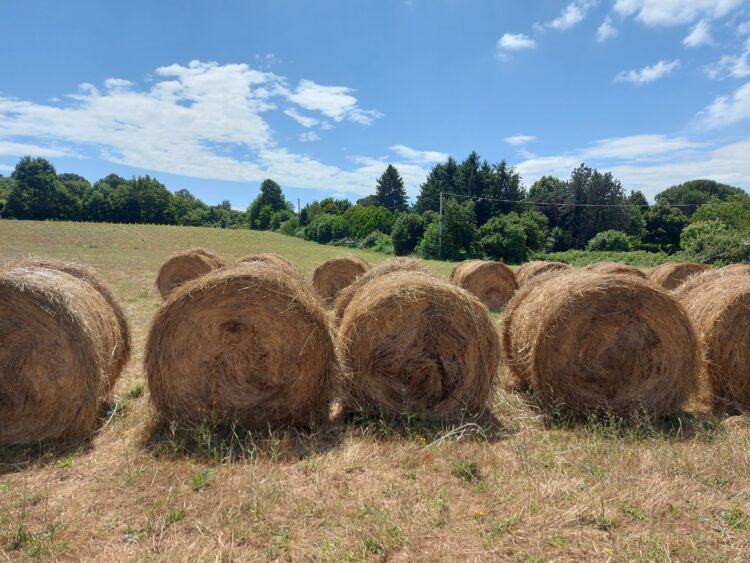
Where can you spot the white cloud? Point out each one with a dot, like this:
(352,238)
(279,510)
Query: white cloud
(412,155)
(335,102)
(648,73)
(5,168)
(674,12)
(744,28)
(8,148)
(518,140)
(699,35)
(515,42)
(606,31)
(727,110)
(574,13)
(308,137)
(303,120)
(731,66)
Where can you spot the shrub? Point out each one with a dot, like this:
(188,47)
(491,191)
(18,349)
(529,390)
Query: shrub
(407,230)
(290,226)
(279,217)
(377,241)
(503,238)
(264,218)
(363,220)
(610,240)
(326,228)
(713,242)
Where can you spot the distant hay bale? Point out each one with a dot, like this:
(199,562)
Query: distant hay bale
(530,270)
(250,344)
(673,274)
(59,343)
(615,268)
(337,273)
(415,344)
(184,267)
(586,341)
(393,265)
(492,282)
(275,261)
(719,308)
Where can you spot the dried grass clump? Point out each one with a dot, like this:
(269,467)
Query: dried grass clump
(586,340)
(248,344)
(276,261)
(184,267)
(530,270)
(720,310)
(59,340)
(415,344)
(672,275)
(492,282)
(393,265)
(337,273)
(615,268)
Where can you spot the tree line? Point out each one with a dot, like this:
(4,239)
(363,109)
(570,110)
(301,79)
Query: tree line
(487,212)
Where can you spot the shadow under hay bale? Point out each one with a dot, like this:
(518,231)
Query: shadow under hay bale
(719,308)
(249,344)
(411,343)
(337,273)
(673,274)
(492,282)
(615,268)
(184,267)
(587,341)
(530,270)
(61,351)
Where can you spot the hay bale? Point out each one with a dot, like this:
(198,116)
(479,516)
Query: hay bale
(184,267)
(492,282)
(393,265)
(714,273)
(719,308)
(530,270)
(337,273)
(672,275)
(615,268)
(413,343)
(587,340)
(275,261)
(250,344)
(58,338)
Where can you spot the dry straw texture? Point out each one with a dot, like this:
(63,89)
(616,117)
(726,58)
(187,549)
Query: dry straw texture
(250,344)
(672,275)
(720,310)
(615,268)
(492,282)
(275,260)
(712,274)
(337,273)
(585,340)
(413,343)
(184,267)
(393,265)
(530,270)
(59,342)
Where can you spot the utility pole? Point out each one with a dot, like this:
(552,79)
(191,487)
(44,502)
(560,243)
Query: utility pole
(440,229)
(298,211)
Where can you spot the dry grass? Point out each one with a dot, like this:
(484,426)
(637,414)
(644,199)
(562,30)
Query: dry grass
(526,486)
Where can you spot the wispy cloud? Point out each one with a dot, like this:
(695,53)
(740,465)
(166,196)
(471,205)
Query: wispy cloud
(335,102)
(510,42)
(606,31)
(699,35)
(519,140)
(727,110)
(648,73)
(731,66)
(308,137)
(674,12)
(303,120)
(573,14)
(412,155)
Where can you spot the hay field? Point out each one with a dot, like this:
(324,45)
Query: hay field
(519,486)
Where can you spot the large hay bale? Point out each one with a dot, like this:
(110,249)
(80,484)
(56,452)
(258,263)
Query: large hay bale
(492,282)
(714,273)
(184,267)
(673,274)
(413,343)
(587,340)
(719,308)
(615,268)
(58,340)
(337,273)
(250,344)
(530,270)
(275,261)
(393,265)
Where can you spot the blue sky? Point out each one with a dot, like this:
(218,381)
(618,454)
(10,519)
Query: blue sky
(321,96)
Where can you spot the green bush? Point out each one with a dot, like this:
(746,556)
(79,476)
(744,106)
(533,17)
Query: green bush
(326,228)
(290,226)
(363,220)
(265,215)
(713,242)
(459,230)
(408,229)
(503,238)
(585,257)
(609,241)
(279,217)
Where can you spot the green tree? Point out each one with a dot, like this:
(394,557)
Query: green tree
(713,242)
(442,178)
(734,212)
(503,237)
(37,193)
(326,228)
(368,200)
(610,240)
(459,229)
(408,229)
(691,195)
(364,220)
(270,195)
(390,190)
(664,226)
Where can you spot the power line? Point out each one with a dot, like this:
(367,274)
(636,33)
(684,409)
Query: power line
(551,204)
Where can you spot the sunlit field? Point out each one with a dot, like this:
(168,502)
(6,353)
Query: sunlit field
(517,484)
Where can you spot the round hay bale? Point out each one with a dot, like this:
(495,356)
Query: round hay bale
(122,343)
(275,261)
(248,344)
(615,268)
(393,265)
(184,267)
(587,340)
(58,337)
(492,282)
(337,273)
(413,343)
(672,275)
(530,270)
(712,274)
(719,308)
